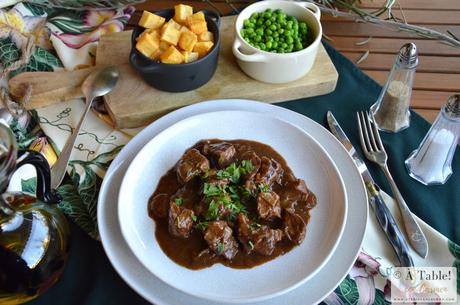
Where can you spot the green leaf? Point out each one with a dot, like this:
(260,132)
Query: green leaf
(178,201)
(43,56)
(380,298)
(348,291)
(9,53)
(36,10)
(211,190)
(71,24)
(454,249)
(23,137)
(73,206)
(29,185)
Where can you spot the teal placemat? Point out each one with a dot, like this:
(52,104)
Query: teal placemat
(89,279)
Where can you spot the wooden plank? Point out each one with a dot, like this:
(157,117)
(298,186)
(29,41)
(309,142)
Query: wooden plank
(424,81)
(423,17)
(429,99)
(416,4)
(392,45)
(355,29)
(379,61)
(429,115)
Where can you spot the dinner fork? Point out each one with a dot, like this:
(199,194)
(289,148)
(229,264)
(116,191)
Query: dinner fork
(374,151)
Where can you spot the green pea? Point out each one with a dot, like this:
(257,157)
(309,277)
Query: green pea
(284,45)
(298,46)
(289,25)
(280,31)
(277,11)
(289,40)
(257,38)
(250,30)
(260,31)
(275,34)
(268,10)
(268,32)
(273,18)
(269,45)
(262,46)
(267,15)
(269,38)
(274,44)
(273,27)
(260,21)
(268,23)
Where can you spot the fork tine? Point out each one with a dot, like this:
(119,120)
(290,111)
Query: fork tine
(364,138)
(376,133)
(374,146)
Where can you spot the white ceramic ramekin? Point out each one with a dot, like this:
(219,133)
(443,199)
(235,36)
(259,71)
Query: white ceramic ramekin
(274,67)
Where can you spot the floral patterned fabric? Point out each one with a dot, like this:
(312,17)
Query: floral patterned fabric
(67,39)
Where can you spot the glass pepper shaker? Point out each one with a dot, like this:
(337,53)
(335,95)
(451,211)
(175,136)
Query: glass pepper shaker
(431,162)
(391,110)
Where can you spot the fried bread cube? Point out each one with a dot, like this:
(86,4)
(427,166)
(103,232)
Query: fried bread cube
(170,24)
(199,27)
(182,12)
(203,47)
(164,45)
(184,29)
(147,45)
(206,36)
(190,56)
(170,35)
(154,33)
(151,21)
(198,16)
(187,41)
(172,56)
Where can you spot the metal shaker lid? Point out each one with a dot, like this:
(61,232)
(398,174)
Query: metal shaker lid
(452,106)
(408,55)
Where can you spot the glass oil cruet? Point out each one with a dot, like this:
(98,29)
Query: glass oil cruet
(431,162)
(33,232)
(391,110)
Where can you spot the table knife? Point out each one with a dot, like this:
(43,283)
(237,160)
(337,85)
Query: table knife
(381,211)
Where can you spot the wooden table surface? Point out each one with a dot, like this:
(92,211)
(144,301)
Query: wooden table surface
(438,72)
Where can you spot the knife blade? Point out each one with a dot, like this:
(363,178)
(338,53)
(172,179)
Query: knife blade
(381,211)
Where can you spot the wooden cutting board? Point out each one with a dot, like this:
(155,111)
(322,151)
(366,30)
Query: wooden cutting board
(133,103)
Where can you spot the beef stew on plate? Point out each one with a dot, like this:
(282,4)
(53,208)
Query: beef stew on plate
(234,202)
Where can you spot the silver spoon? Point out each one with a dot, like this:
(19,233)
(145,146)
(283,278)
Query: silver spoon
(98,83)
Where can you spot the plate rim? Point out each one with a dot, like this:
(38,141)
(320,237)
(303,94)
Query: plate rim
(127,231)
(117,258)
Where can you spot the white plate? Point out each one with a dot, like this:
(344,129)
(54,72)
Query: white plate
(305,157)
(154,290)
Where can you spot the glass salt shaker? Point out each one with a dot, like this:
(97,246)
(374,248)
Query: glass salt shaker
(391,110)
(431,162)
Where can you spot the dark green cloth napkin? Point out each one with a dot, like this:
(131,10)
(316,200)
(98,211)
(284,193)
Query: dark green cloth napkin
(89,279)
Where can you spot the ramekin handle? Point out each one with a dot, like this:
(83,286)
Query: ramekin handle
(312,7)
(246,57)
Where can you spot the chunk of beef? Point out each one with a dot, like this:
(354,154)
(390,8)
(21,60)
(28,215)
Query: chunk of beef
(180,220)
(192,164)
(270,172)
(159,205)
(255,161)
(259,238)
(297,195)
(294,227)
(268,205)
(221,154)
(220,240)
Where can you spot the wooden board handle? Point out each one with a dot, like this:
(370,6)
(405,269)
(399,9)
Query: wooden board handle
(49,87)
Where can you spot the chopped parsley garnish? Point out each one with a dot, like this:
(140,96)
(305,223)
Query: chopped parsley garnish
(211,190)
(234,172)
(194,218)
(213,211)
(178,201)
(220,247)
(251,245)
(202,225)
